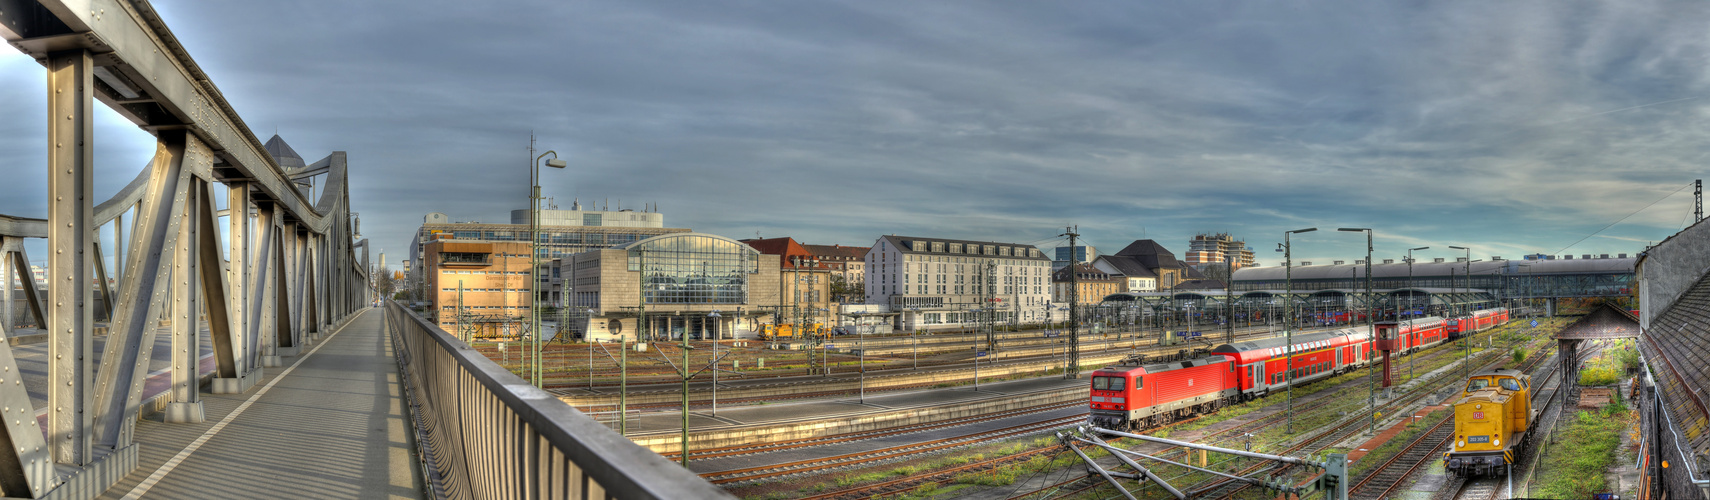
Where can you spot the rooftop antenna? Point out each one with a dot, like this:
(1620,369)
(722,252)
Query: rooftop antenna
(1697,200)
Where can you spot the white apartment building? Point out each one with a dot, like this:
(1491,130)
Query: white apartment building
(943,284)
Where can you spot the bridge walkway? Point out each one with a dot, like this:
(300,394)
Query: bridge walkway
(331,423)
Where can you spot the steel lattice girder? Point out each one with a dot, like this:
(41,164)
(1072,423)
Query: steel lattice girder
(122,54)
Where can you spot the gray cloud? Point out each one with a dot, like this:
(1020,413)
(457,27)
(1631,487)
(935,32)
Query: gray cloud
(1512,127)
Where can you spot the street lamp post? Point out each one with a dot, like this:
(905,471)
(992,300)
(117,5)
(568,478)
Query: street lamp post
(1466,347)
(1288,315)
(1410,355)
(1371,331)
(534,256)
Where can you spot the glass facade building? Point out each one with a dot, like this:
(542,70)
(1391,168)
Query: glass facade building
(693,268)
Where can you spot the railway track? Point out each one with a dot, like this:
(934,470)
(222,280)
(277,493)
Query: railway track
(574,361)
(1382,481)
(1077,485)
(867,457)
(1071,486)
(1225,488)
(1474,489)
(750,449)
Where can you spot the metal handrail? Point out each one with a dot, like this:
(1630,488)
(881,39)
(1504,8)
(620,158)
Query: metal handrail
(492,435)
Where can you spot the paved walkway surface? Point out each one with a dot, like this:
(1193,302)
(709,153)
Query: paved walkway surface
(329,424)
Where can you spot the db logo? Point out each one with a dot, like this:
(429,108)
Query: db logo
(1478,415)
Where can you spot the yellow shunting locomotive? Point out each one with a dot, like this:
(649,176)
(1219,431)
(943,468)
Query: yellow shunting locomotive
(1493,421)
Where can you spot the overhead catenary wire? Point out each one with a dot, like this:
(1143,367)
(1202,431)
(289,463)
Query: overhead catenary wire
(1635,212)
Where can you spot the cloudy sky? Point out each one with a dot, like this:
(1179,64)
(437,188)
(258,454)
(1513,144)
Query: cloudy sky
(1513,127)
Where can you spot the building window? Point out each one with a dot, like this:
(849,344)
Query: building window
(678,269)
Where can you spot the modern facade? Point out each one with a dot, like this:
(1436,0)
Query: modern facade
(1094,284)
(478,288)
(943,284)
(1213,249)
(670,285)
(591,230)
(1062,256)
(576,217)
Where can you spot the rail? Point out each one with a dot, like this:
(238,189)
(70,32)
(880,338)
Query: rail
(489,434)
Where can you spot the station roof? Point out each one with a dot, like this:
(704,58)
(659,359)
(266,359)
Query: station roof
(1607,322)
(1422,269)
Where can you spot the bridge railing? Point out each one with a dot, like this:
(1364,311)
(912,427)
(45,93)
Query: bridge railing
(487,433)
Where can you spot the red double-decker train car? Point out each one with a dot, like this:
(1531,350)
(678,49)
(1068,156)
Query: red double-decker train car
(1480,320)
(1136,394)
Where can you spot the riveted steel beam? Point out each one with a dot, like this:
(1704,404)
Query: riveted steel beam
(238,274)
(186,405)
(71,225)
(143,292)
(263,321)
(212,273)
(26,470)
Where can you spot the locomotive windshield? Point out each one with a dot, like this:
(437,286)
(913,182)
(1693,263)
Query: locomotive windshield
(1108,383)
(1476,384)
(1510,384)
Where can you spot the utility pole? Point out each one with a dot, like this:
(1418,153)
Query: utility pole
(1228,300)
(1697,200)
(1371,331)
(1073,370)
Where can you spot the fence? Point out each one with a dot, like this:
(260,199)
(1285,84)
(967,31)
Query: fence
(486,433)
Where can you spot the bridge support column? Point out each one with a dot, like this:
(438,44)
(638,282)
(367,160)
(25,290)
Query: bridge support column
(186,405)
(71,239)
(265,313)
(1549,308)
(245,360)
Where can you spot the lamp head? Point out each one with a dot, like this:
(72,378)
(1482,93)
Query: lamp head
(1459,248)
(1420,248)
(1353,229)
(555,163)
(1307,230)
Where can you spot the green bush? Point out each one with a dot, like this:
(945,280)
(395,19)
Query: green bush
(1598,376)
(1519,355)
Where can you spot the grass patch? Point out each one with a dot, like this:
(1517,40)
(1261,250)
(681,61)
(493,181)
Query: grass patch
(1611,365)
(1575,469)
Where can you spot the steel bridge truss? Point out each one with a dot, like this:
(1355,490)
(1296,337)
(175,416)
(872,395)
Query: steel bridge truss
(285,272)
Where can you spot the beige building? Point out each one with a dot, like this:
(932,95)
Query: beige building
(479,288)
(845,261)
(668,286)
(1094,284)
(1207,249)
